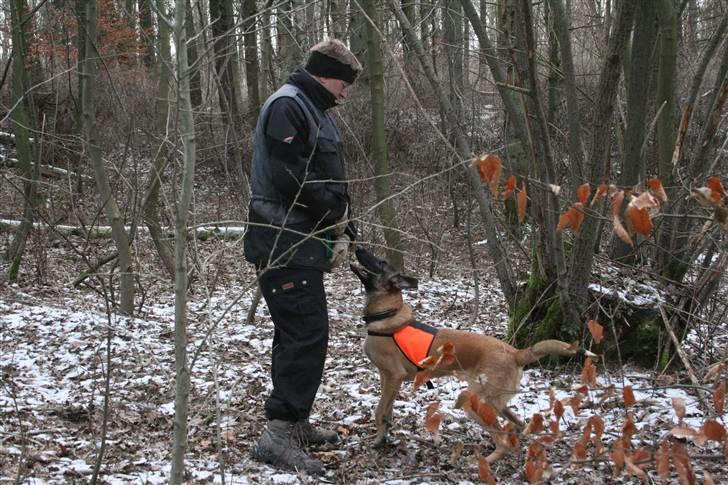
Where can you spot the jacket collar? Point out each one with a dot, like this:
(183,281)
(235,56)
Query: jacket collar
(319,95)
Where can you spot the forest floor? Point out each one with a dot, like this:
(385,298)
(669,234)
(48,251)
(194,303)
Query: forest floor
(60,345)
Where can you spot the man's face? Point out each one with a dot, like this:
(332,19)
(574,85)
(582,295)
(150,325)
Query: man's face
(337,87)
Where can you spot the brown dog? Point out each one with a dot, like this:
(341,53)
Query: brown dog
(492,368)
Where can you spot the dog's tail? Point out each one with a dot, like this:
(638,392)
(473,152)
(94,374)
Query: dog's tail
(549,347)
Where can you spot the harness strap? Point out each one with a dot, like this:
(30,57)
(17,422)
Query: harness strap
(375,317)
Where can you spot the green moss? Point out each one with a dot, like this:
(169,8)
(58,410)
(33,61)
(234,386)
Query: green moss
(640,345)
(550,325)
(675,270)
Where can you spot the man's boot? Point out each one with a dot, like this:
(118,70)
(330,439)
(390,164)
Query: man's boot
(307,434)
(279,447)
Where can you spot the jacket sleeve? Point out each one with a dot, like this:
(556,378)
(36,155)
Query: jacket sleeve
(294,172)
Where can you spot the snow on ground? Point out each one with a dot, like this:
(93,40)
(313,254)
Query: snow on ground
(53,364)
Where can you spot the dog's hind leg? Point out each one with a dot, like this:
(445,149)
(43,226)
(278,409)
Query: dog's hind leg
(390,382)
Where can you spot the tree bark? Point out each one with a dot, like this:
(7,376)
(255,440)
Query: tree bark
(22,120)
(121,240)
(250,38)
(583,252)
(187,132)
(378,150)
(150,203)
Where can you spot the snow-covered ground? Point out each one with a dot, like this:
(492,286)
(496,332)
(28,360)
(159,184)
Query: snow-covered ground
(53,365)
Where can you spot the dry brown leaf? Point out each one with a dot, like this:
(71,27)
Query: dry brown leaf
(535,425)
(433,418)
(533,471)
(579,452)
(617,200)
(620,231)
(484,471)
(681,461)
(509,187)
(575,402)
(596,330)
(713,430)
(628,395)
(628,429)
(719,397)
(657,189)
(554,427)
(602,191)
(558,409)
(678,404)
(489,168)
(662,460)
(522,202)
(638,220)
(582,193)
(617,454)
(645,201)
(589,373)
(717,192)
(683,431)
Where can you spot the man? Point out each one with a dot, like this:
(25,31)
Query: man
(298,230)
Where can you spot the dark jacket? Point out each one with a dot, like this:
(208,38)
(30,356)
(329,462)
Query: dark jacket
(298,187)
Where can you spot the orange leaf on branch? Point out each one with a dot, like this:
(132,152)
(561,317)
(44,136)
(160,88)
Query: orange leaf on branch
(713,430)
(717,192)
(589,373)
(620,231)
(678,404)
(433,418)
(573,218)
(628,430)
(582,193)
(638,220)
(602,191)
(535,425)
(719,397)
(575,402)
(510,187)
(484,471)
(681,460)
(489,168)
(628,395)
(522,202)
(657,190)
(533,471)
(596,330)
(662,460)
(714,371)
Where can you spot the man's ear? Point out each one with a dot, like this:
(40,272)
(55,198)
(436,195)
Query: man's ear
(403,282)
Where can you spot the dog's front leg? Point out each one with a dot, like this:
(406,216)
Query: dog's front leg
(390,383)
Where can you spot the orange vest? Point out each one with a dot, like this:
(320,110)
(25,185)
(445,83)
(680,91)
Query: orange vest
(414,341)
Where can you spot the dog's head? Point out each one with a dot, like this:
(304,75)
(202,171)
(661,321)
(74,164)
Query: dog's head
(380,277)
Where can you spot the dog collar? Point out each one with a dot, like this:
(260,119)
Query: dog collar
(375,317)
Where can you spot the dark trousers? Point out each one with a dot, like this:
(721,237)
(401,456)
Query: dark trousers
(297,304)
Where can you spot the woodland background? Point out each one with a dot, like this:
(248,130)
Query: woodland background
(124,154)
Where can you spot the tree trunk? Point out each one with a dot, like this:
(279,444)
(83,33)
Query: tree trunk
(187,130)
(88,72)
(227,71)
(638,95)
(150,204)
(583,252)
(289,54)
(192,54)
(23,121)
(382,187)
(268,77)
(250,37)
(146,25)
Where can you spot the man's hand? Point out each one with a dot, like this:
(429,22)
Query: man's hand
(340,225)
(340,251)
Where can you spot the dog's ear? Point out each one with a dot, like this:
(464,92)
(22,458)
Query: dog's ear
(403,282)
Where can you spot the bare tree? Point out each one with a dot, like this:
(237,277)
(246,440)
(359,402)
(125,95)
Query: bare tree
(93,151)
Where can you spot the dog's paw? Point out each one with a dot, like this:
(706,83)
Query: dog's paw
(380,441)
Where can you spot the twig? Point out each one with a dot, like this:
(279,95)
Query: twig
(682,356)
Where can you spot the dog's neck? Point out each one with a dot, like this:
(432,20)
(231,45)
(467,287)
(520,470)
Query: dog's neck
(402,317)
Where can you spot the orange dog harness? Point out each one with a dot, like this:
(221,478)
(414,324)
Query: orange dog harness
(413,340)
